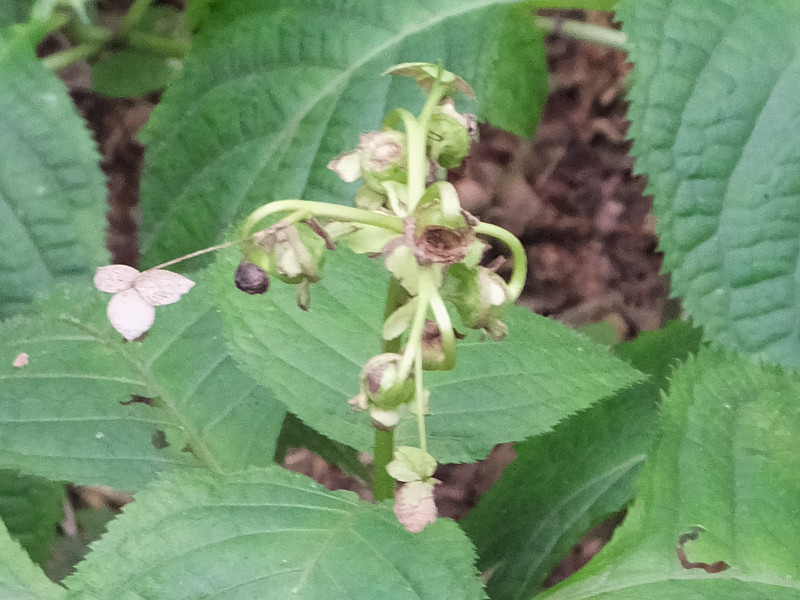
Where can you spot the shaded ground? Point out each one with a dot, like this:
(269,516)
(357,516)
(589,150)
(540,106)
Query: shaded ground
(570,196)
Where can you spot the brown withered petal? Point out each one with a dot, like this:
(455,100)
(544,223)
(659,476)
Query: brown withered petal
(432,346)
(374,379)
(437,244)
(431,337)
(251,278)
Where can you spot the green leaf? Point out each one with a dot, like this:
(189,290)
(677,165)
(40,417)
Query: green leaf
(132,72)
(272,91)
(498,392)
(270,534)
(726,462)
(20,578)
(91,408)
(722,172)
(657,353)
(567,481)
(31,509)
(135,70)
(522,82)
(52,193)
(14,11)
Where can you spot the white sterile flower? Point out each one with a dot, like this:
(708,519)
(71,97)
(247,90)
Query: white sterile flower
(131,310)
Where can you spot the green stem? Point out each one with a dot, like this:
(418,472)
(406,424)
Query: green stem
(446,329)
(417,158)
(325,210)
(416,142)
(56,21)
(55,62)
(585,32)
(134,15)
(413,344)
(166,47)
(419,391)
(383,484)
(520,267)
(87,33)
(396,296)
(431,102)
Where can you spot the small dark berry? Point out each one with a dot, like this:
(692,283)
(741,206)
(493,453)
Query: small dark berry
(251,278)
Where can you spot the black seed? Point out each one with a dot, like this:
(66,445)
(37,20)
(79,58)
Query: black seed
(251,278)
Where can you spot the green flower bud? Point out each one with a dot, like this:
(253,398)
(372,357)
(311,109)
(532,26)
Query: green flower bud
(380,156)
(293,253)
(480,297)
(383,158)
(448,135)
(299,253)
(381,383)
(369,199)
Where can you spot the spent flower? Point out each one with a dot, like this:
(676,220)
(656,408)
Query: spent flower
(414,503)
(383,390)
(380,157)
(415,506)
(131,310)
(481,297)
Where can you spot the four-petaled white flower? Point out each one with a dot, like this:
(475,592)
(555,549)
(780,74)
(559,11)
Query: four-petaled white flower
(131,310)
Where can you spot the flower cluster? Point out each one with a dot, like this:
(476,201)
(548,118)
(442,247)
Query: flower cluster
(405,212)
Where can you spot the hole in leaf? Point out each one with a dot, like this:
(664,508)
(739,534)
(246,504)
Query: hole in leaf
(159,440)
(136,399)
(694,533)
